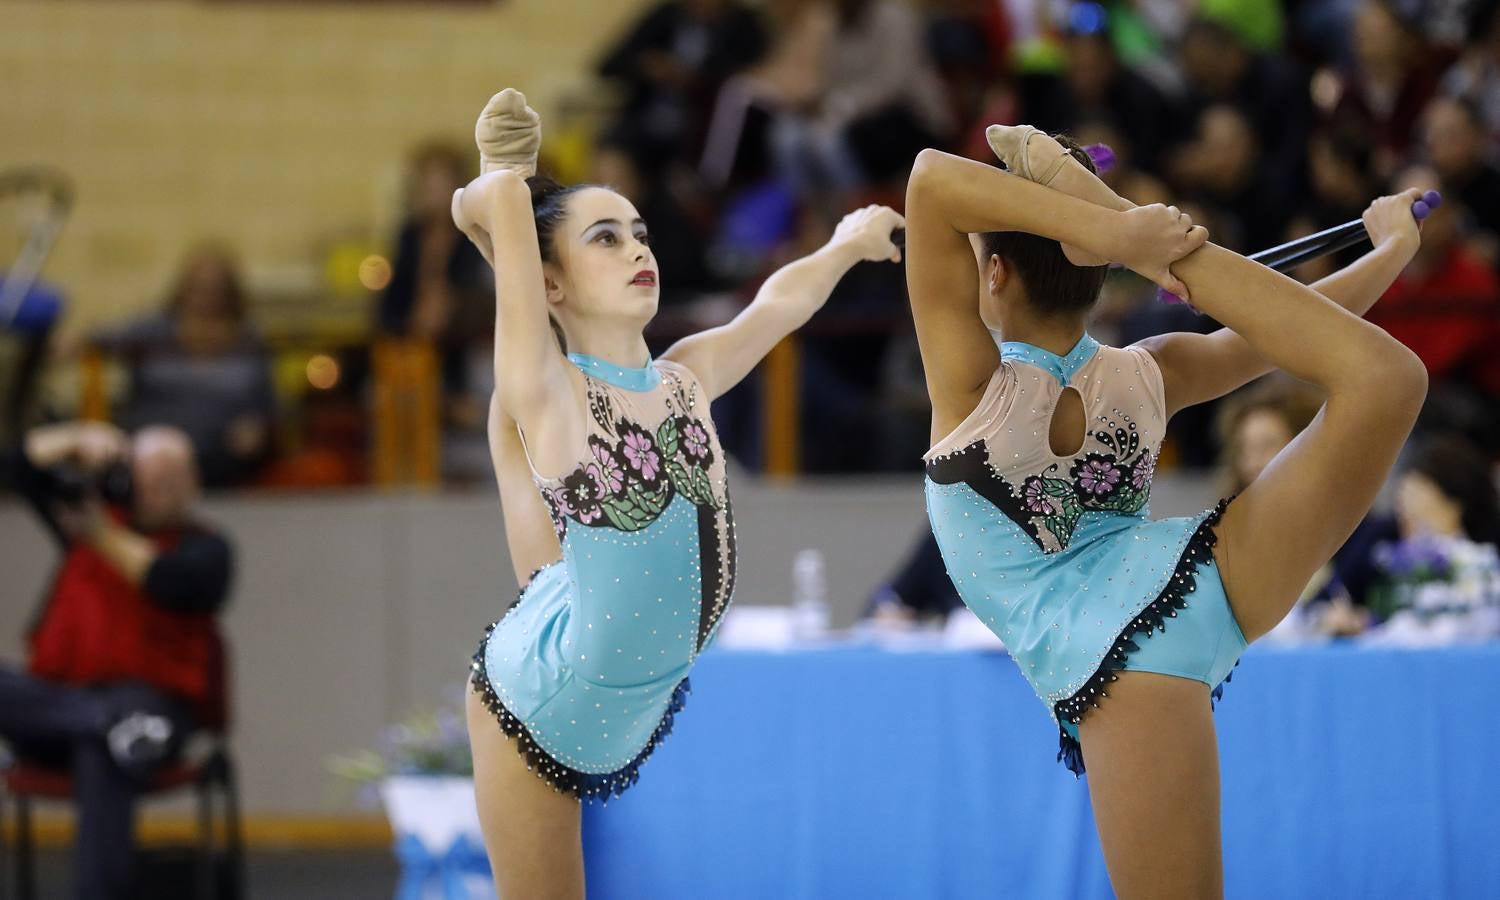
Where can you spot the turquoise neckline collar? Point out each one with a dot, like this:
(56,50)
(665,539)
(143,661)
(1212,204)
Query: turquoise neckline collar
(642,379)
(1062,368)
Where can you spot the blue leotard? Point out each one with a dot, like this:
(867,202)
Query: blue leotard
(1055,553)
(586,671)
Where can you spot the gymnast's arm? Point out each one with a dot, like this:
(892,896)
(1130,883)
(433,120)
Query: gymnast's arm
(495,212)
(947,199)
(530,373)
(721,356)
(1197,368)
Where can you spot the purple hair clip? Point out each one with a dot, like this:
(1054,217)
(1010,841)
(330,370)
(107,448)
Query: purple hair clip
(1171,299)
(1102,155)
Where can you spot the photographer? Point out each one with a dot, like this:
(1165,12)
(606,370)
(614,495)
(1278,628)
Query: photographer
(125,658)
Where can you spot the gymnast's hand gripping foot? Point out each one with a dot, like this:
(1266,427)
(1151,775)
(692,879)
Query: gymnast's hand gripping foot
(1045,441)
(613,488)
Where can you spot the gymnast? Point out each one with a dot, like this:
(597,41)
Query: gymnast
(613,488)
(1044,444)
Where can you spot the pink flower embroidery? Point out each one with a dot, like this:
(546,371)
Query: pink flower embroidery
(695,440)
(1098,477)
(606,467)
(1034,491)
(640,451)
(1142,472)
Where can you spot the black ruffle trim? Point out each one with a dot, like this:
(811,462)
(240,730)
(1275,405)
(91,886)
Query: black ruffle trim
(585,786)
(1199,550)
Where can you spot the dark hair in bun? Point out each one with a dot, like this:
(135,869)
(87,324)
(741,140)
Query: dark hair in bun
(1053,284)
(548,208)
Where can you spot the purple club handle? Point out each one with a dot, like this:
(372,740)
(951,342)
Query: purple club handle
(1424,207)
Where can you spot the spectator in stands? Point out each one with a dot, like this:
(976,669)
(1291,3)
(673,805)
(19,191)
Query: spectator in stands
(1223,168)
(920,589)
(1447,488)
(1455,143)
(125,658)
(1440,582)
(878,99)
(1095,85)
(1446,307)
(1341,181)
(969,44)
(1253,427)
(1393,75)
(441,290)
(199,365)
(671,64)
(1477,73)
(1259,422)
(1237,97)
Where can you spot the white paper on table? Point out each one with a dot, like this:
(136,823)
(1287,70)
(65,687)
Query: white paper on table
(964,631)
(758,627)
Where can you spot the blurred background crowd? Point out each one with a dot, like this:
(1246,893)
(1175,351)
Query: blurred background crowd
(231,221)
(742,131)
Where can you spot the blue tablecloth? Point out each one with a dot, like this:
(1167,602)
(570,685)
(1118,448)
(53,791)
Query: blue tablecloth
(863,773)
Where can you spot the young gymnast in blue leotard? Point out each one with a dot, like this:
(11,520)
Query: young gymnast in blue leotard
(1045,445)
(613,486)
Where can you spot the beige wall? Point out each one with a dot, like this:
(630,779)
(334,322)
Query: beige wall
(278,126)
(353,609)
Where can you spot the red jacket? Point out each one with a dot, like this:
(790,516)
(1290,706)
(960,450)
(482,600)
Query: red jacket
(97,627)
(1450,317)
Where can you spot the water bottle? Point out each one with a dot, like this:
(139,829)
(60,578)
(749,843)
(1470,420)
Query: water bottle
(809,595)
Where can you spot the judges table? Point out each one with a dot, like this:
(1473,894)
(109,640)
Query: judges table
(865,773)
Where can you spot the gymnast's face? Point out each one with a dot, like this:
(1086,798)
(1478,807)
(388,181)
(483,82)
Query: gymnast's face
(605,268)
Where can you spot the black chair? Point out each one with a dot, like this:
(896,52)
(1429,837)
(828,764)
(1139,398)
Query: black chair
(216,870)
(217,865)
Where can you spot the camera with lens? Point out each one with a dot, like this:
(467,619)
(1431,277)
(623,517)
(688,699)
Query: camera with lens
(112,483)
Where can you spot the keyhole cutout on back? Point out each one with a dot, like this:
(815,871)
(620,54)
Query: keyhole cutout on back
(1067,431)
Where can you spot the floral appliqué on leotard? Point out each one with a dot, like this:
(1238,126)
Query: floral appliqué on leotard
(1115,478)
(633,473)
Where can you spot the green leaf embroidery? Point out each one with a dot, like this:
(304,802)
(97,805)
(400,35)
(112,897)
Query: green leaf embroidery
(677,474)
(1058,487)
(1126,500)
(703,491)
(624,515)
(650,503)
(1062,527)
(692,482)
(667,438)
